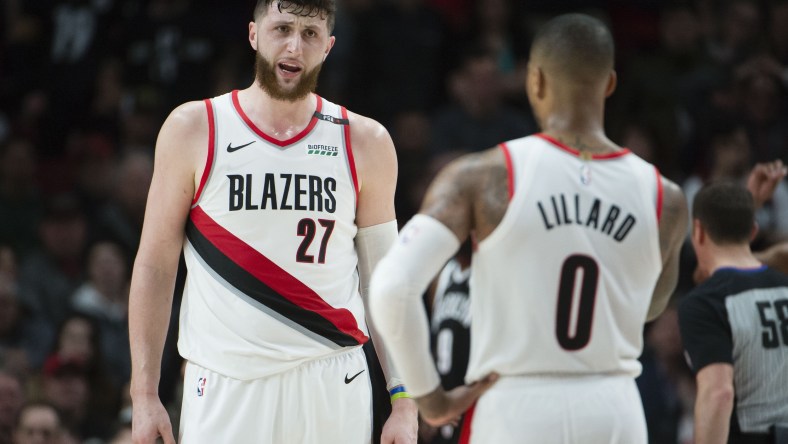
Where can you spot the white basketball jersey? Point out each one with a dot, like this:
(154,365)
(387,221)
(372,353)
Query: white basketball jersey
(563,284)
(272,278)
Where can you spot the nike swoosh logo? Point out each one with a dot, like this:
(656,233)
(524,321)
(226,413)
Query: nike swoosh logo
(349,380)
(231,148)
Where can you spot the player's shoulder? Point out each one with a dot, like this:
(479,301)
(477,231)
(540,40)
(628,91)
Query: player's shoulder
(703,302)
(711,293)
(675,213)
(476,165)
(188,117)
(370,140)
(472,173)
(373,149)
(184,135)
(366,131)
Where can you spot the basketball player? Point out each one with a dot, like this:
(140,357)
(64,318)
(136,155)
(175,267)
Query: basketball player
(578,243)
(735,325)
(450,334)
(276,197)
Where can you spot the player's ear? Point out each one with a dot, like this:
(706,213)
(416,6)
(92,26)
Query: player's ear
(698,233)
(253,35)
(754,231)
(331,41)
(612,81)
(535,81)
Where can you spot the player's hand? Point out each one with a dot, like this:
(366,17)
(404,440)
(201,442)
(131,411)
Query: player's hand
(402,427)
(763,179)
(441,407)
(150,420)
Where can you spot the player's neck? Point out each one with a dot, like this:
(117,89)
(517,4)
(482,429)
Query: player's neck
(591,139)
(281,119)
(578,123)
(733,256)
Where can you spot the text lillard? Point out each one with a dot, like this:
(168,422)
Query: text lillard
(563,210)
(282,192)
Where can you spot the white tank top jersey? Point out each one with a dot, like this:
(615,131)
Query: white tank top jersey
(272,278)
(565,280)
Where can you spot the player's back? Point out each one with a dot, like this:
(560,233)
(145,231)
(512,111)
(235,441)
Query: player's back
(563,284)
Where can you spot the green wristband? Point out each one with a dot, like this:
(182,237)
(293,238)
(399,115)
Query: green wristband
(399,395)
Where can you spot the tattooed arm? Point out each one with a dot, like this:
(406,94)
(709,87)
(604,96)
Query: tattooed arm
(461,199)
(471,194)
(672,232)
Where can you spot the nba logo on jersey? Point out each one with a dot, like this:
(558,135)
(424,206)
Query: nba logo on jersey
(201,386)
(585,174)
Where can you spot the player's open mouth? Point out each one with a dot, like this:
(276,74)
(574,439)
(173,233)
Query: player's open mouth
(286,67)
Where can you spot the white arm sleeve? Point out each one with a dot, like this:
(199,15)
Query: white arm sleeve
(400,279)
(372,243)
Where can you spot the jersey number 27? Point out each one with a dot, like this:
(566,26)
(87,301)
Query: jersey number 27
(307,228)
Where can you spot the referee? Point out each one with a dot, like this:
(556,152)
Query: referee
(735,326)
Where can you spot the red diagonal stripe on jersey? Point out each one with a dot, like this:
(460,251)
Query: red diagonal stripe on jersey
(274,276)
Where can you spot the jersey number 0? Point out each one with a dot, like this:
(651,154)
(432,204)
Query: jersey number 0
(586,297)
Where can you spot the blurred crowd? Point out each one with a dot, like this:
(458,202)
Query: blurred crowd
(85,85)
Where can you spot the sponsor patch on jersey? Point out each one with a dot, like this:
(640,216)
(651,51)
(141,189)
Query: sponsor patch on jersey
(322,150)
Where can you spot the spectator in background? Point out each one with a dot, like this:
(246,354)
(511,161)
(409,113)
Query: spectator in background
(639,137)
(496,26)
(402,73)
(65,385)
(730,159)
(12,398)
(24,339)
(761,97)
(778,30)
(23,56)
(49,276)
(138,124)
(111,98)
(737,31)
(20,200)
(652,87)
(335,78)
(104,297)
(81,33)
(478,116)
(121,219)
(74,379)
(411,135)
(169,52)
(94,168)
(39,423)
(79,340)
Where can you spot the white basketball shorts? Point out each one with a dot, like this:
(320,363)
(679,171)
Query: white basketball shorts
(327,400)
(559,410)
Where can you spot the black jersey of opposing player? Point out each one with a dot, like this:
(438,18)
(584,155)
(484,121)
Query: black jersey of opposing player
(450,335)
(741,317)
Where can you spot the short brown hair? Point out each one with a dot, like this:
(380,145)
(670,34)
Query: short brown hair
(326,9)
(726,211)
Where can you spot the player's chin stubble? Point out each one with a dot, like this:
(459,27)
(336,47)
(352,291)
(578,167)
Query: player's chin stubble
(265,74)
